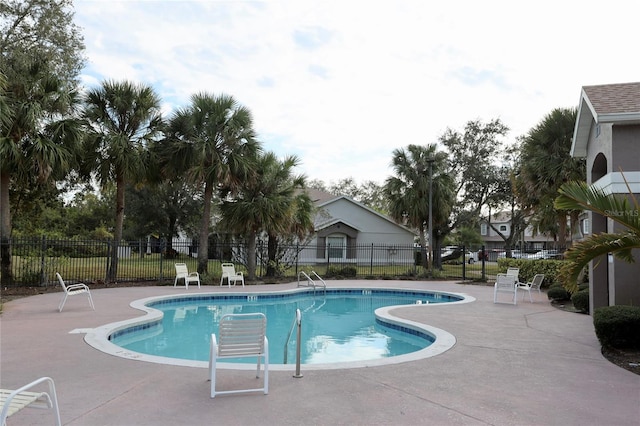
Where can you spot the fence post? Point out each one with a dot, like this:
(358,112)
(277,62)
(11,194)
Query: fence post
(484,259)
(106,272)
(163,244)
(43,250)
(371,261)
(464,263)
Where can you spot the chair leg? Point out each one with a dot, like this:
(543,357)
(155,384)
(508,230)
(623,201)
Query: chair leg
(62,302)
(266,366)
(212,365)
(212,376)
(91,301)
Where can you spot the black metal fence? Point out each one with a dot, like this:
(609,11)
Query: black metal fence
(36,260)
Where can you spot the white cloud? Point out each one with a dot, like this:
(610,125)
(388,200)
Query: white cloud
(343,83)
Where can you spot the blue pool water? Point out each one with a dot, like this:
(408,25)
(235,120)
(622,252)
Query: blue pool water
(337,326)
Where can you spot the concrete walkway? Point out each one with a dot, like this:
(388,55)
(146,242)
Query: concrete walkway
(529,364)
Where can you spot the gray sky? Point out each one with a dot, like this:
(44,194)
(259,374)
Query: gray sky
(341,83)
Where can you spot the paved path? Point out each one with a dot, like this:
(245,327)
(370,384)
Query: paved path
(529,364)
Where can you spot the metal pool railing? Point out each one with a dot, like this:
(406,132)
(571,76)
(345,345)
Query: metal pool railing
(297,323)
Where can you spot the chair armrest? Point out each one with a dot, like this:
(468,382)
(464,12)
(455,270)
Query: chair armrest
(194,274)
(238,274)
(77,287)
(34,383)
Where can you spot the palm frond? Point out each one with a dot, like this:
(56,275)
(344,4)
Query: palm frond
(579,256)
(578,195)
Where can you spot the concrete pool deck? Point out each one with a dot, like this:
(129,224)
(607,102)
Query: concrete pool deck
(529,364)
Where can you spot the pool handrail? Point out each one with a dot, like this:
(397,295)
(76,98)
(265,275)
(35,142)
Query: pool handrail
(297,322)
(310,281)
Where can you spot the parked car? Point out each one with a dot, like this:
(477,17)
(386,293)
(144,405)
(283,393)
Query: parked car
(482,255)
(545,254)
(515,254)
(471,257)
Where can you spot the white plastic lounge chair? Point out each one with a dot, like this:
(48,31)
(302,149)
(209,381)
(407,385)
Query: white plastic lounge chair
(240,336)
(182,273)
(505,284)
(534,284)
(514,271)
(12,401)
(73,290)
(229,272)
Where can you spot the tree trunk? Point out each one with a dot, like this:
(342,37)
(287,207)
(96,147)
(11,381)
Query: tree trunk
(562,229)
(251,256)
(436,253)
(171,232)
(203,243)
(113,269)
(272,249)
(5,230)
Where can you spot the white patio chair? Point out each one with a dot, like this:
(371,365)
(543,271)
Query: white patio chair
(505,284)
(240,336)
(229,272)
(12,401)
(182,273)
(73,290)
(514,271)
(534,284)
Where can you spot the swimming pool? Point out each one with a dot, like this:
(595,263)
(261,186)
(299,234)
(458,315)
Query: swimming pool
(330,339)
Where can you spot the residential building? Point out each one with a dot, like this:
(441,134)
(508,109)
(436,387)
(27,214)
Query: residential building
(346,231)
(607,135)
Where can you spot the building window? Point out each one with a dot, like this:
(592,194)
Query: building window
(503,228)
(586,228)
(483,229)
(336,246)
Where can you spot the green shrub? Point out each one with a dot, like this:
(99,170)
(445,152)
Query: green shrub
(349,271)
(618,326)
(580,301)
(529,268)
(558,293)
(583,287)
(345,271)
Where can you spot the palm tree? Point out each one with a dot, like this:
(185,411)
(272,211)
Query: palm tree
(272,201)
(621,209)
(545,164)
(212,144)
(408,191)
(5,112)
(123,118)
(38,141)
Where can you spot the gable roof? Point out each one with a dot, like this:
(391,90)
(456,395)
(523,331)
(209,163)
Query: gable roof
(608,103)
(319,196)
(334,199)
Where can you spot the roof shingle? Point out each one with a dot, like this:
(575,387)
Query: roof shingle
(614,98)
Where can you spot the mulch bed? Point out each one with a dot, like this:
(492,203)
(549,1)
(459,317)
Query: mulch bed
(629,359)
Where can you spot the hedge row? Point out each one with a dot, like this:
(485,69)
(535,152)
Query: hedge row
(618,326)
(529,268)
